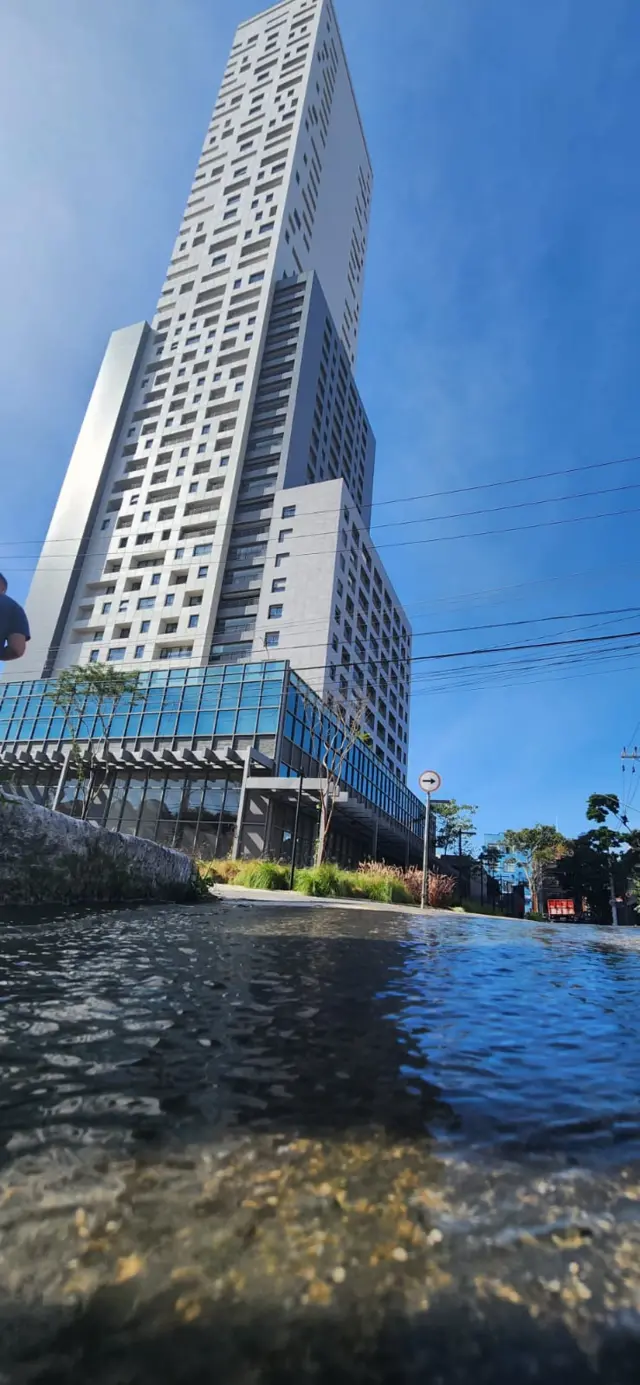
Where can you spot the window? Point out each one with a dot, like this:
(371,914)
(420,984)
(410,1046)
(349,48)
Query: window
(288,511)
(224,461)
(105,524)
(284,535)
(144,626)
(106,607)
(275,612)
(193,621)
(279,584)
(200,550)
(203,572)
(184,451)
(179,552)
(146,603)
(193,486)
(256,278)
(169,599)
(146,514)
(206,428)
(175,652)
(123,606)
(116,656)
(202,447)
(280,558)
(180,471)
(93,657)
(170,627)
(139,654)
(155,579)
(272,639)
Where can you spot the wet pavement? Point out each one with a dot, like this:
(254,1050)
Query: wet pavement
(251,1146)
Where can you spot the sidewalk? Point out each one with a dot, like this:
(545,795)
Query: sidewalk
(234,894)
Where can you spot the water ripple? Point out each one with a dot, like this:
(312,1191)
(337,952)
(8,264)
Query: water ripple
(157,1022)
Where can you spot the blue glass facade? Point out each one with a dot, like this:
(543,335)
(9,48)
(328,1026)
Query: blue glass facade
(222,707)
(510,866)
(308,725)
(230,700)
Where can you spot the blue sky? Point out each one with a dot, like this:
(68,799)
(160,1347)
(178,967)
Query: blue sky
(499,336)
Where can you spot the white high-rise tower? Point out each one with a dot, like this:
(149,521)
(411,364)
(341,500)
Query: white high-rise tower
(216,505)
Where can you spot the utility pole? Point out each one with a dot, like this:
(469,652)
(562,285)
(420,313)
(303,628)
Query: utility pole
(632,755)
(612,895)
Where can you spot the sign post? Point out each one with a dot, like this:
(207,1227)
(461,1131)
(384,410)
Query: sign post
(429,782)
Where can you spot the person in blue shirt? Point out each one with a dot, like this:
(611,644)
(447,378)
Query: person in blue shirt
(14,626)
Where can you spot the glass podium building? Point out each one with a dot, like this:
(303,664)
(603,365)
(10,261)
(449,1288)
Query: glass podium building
(210,761)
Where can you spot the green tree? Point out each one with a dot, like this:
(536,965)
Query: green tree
(454,823)
(599,865)
(538,848)
(619,849)
(89,695)
(602,805)
(583,870)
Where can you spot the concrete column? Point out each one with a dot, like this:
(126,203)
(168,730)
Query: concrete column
(57,797)
(237,836)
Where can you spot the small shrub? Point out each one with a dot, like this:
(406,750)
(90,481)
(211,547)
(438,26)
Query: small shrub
(399,892)
(324,882)
(262,875)
(218,872)
(412,881)
(383,887)
(378,868)
(441,890)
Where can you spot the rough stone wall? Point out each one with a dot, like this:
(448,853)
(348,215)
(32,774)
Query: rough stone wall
(48,858)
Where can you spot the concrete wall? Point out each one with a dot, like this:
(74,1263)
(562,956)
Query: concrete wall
(340,221)
(72,530)
(311,598)
(48,858)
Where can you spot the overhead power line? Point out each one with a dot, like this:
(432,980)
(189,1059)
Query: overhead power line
(401,543)
(434,495)
(201,642)
(443,655)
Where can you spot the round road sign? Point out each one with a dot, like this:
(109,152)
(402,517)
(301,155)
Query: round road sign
(429,781)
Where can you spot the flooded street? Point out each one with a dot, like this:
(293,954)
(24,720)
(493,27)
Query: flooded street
(258,1145)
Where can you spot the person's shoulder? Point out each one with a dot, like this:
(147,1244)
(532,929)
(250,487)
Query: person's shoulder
(8,603)
(13,612)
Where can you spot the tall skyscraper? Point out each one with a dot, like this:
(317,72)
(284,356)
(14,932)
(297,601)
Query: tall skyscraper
(216,506)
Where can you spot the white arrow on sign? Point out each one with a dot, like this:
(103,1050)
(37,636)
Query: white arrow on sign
(429,781)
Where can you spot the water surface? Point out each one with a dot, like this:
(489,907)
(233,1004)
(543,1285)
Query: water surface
(424,1129)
